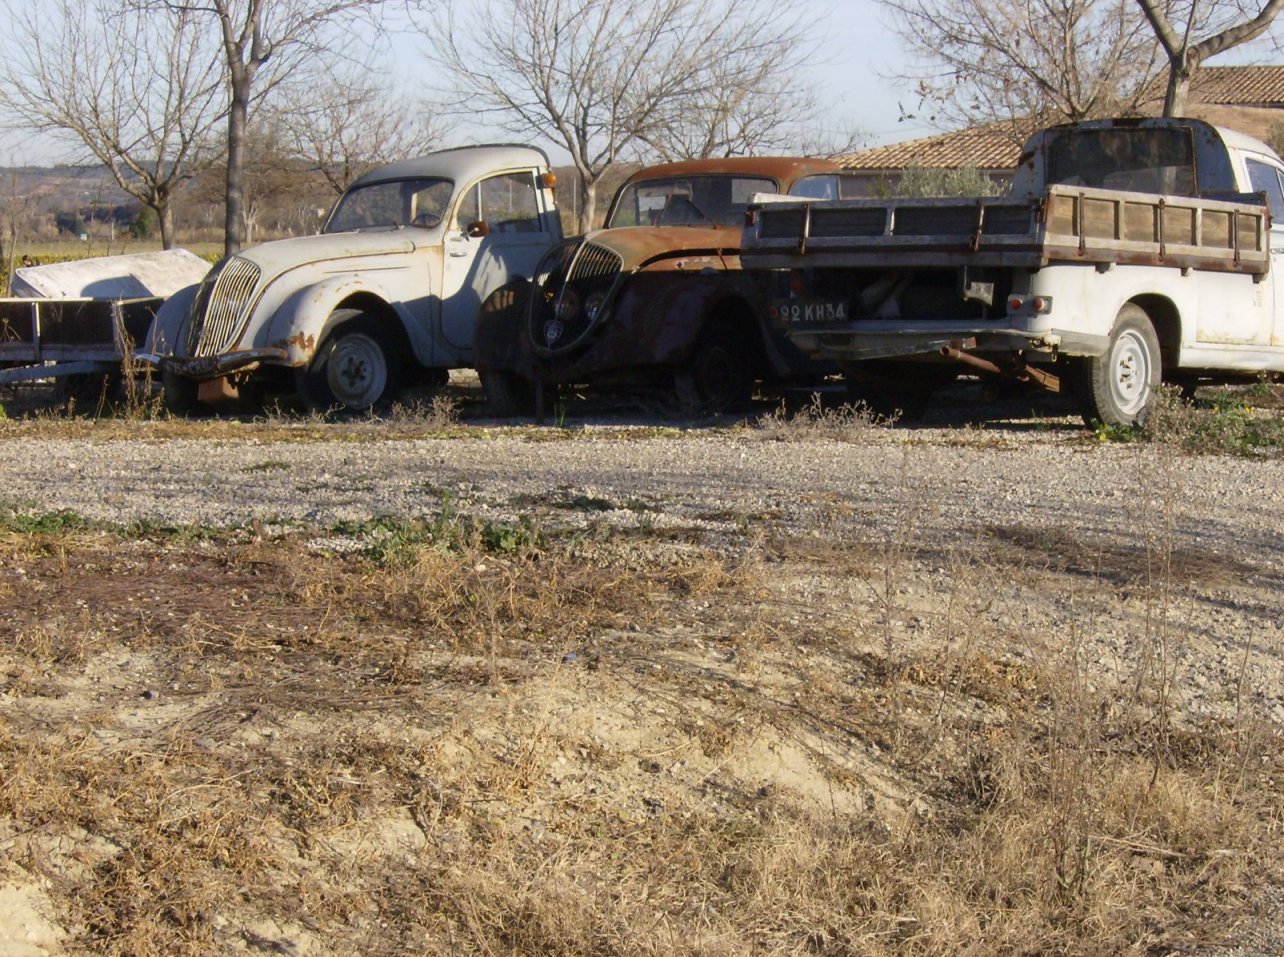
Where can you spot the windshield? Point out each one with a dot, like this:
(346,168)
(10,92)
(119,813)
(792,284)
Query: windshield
(406,202)
(687,201)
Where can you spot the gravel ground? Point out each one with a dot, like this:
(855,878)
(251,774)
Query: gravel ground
(1046,476)
(1041,478)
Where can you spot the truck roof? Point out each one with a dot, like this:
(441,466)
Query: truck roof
(1232,138)
(458,164)
(781,168)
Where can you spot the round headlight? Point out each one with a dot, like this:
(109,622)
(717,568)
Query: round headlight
(593,305)
(568,306)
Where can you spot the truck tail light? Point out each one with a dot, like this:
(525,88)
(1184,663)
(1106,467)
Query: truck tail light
(797,287)
(1035,304)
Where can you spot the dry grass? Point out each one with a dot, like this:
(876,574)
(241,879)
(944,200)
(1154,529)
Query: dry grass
(448,740)
(818,419)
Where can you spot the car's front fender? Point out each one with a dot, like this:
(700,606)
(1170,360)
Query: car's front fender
(301,322)
(166,329)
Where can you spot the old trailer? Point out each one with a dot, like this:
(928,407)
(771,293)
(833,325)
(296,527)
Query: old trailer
(55,338)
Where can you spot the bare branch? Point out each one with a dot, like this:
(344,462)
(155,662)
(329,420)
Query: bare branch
(1225,25)
(993,60)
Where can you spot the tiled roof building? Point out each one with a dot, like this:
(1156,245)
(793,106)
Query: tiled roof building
(1246,98)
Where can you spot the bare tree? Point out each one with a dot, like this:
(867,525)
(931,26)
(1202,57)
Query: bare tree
(752,104)
(1223,25)
(603,77)
(343,120)
(993,60)
(138,91)
(16,214)
(263,41)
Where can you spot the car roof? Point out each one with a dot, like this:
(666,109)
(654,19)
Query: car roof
(458,164)
(783,169)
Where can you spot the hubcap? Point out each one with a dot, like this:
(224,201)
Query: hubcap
(1130,373)
(357,371)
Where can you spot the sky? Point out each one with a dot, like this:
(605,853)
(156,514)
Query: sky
(855,53)
(855,63)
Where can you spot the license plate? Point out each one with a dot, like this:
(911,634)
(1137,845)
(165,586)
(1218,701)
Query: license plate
(807,310)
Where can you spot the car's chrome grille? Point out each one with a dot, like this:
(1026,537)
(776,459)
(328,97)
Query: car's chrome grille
(594,262)
(221,308)
(559,319)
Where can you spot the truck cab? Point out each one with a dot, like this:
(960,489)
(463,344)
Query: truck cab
(387,294)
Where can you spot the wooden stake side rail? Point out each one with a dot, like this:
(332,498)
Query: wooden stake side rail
(1065,224)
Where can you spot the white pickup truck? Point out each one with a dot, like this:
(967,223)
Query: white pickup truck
(388,292)
(1127,252)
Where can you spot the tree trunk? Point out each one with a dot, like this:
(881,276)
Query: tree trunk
(1178,92)
(588,203)
(1181,67)
(165,219)
(234,222)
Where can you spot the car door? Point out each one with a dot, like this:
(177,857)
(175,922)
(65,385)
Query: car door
(1268,301)
(498,235)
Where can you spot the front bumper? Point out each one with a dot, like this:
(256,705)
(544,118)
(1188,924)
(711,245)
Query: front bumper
(211,367)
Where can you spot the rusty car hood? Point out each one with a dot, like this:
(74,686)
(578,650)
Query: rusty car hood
(639,245)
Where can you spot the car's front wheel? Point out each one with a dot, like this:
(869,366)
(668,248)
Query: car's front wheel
(352,371)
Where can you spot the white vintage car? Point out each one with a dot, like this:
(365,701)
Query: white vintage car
(387,293)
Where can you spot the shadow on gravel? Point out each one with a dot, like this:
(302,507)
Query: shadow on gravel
(967,404)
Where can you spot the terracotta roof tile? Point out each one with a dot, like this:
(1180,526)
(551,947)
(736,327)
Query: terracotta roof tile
(1239,85)
(982,147)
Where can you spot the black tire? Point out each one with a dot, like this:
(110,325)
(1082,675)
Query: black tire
(1116,388)
(719,376)
(508,393)
(179,393)
(354,370)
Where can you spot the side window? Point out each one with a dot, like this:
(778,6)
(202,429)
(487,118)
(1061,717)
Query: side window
(1266,179)
(816,187)
(468,210)
(508,203)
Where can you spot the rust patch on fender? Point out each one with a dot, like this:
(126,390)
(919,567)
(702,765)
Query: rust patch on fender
(300,341)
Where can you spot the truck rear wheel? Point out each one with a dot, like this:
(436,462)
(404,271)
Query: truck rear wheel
(352,371)
(1115,388)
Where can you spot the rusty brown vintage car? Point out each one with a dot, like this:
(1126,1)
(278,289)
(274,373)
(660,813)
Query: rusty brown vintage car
(656,298)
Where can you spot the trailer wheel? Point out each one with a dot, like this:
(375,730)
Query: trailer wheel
(179,393)
(719,376)
(1115,388)
(352,371)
